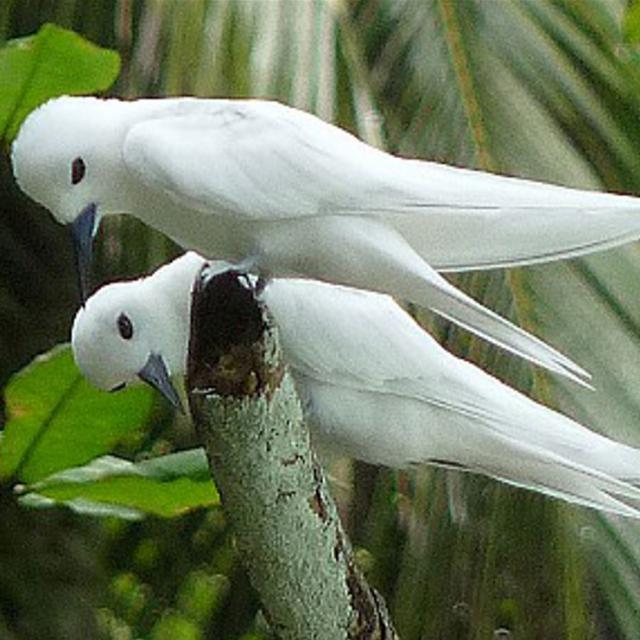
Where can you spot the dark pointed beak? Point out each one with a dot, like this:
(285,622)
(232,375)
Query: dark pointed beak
(155,374)
(83,230)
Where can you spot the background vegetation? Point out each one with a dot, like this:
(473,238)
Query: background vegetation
(547,89)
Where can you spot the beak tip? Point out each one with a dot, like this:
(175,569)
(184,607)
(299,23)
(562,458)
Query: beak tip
(155,373)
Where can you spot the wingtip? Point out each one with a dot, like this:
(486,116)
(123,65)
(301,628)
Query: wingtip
(572,371)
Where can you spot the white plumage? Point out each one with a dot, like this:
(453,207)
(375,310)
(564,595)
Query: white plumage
(291,195)
(375,386)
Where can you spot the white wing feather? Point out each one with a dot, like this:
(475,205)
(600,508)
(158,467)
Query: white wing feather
(383,390)
(262,161)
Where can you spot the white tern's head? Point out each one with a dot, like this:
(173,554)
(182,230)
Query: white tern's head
(67,157)
(137,329)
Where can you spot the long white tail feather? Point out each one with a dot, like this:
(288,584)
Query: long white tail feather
(461,219)
(527,466)
(403,273)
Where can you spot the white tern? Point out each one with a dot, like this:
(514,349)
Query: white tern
(375,385)
(287,194)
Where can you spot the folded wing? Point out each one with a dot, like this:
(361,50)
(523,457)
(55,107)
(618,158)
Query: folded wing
(387,392)
(259,160)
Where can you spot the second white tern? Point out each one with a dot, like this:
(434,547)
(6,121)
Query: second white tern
(375,386)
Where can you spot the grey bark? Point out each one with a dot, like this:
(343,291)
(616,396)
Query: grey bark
(249,418)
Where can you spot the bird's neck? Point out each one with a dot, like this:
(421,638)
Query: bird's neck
(174,284)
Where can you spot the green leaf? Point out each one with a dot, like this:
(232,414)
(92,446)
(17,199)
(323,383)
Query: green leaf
(82,506)
(167,486)
(51,63)
(57,420)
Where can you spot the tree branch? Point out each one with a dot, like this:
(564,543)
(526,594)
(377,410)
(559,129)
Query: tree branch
(248,416)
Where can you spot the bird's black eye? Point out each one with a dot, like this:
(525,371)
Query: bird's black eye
(125,328)
(78,169)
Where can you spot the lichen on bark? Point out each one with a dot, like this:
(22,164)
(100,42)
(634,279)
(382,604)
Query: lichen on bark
(249,418)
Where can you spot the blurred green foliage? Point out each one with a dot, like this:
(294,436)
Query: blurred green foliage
(631,23)
(58,428)
(547,89)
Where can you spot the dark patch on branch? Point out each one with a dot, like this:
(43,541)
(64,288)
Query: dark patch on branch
(228,329)
(285,495)
(316,501)
(287,462)
(371,620)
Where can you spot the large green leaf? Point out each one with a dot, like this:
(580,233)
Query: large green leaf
(57,420)
(51,63)
(168,486)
